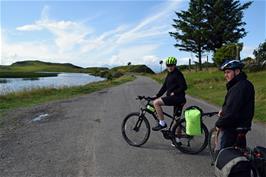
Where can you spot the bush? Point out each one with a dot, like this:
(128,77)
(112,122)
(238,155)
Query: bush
(255,67)
(226,52)
(103,73)
(109,76)
(117,74)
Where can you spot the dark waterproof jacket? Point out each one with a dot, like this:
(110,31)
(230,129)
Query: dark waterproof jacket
(174,82)
(238,107)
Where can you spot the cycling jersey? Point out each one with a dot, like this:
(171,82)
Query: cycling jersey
(174,83)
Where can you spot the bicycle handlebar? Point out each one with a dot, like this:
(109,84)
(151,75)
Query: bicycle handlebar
(210,114)
(145,98)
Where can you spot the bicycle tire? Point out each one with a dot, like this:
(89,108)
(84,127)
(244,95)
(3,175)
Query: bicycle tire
(255,172)
(184,138)
(143,124)
(212,143)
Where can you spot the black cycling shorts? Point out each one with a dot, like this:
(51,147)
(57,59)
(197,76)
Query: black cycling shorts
(173,100)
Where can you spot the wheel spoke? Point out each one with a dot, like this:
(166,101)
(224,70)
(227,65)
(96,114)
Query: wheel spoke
(139,132)
(189,144)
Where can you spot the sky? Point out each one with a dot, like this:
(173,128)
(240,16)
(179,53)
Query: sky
(104,33)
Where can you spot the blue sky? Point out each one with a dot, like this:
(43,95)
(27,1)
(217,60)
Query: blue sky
(103,33)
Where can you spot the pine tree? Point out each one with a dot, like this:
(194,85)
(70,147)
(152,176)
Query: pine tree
(191,29)
(225,23)
(209,24)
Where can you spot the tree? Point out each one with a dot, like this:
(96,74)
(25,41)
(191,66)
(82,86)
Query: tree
(191,29)
(226,52)
(209,24)
(260,53)
(225,23)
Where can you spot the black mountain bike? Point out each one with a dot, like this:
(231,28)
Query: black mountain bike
(136,128)
(255,156)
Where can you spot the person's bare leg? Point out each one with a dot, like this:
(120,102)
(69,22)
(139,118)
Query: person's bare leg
(158,103)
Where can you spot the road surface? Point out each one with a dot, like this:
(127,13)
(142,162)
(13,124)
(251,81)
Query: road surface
(81,137)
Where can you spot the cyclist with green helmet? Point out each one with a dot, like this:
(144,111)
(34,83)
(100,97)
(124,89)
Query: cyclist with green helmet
(174,86)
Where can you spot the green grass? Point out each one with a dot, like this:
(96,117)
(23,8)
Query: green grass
(42,95)
(32,69)
(38,66)
(210,86)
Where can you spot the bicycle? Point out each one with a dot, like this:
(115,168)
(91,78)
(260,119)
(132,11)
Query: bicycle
(136,128)
(252,155)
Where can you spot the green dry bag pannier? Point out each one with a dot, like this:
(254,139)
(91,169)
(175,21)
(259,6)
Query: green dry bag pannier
(193,120)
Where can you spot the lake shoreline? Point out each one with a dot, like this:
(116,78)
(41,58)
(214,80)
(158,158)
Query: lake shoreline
(12,101)
(60,80)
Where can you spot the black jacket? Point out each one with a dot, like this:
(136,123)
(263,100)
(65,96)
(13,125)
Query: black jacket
(238,107)
(174,82)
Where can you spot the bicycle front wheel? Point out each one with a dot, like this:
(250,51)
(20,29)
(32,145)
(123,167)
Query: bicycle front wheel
(187,143)
(135,129)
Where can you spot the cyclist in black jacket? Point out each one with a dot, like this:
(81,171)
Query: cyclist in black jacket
(238,107)
(174,86)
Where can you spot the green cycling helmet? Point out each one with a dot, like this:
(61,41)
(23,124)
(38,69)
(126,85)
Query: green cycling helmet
(171,61)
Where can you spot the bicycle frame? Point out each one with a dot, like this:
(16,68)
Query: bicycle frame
(145,110)
(176,132)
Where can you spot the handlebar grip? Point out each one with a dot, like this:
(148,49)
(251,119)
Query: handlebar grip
(140,97)
(210,114)
(146,98)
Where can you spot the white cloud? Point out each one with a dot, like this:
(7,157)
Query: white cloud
(145,29)
(247,51)
(29,28)
(126,55)
(45,12)
(77,43)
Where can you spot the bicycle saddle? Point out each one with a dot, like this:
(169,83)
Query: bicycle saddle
(178,109)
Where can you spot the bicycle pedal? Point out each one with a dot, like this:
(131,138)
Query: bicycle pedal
(166,134)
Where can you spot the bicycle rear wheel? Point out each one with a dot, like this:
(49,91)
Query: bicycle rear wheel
(212,142)
(187,143)
(135,129)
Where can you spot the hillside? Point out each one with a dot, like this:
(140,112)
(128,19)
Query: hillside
(133,69)
(30,68)
(39,66)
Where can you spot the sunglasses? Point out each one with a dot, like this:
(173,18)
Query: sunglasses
(170,65)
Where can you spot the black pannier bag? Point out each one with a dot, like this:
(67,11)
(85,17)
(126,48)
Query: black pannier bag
(260,160)
(230,162)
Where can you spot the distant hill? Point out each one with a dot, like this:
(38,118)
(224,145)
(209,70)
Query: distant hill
(133,69)
(38,66)
(32,66)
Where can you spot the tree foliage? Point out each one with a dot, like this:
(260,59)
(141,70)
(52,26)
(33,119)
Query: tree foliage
(227,52)
(225,24)
(208,24)
(191,29)
(260,52)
